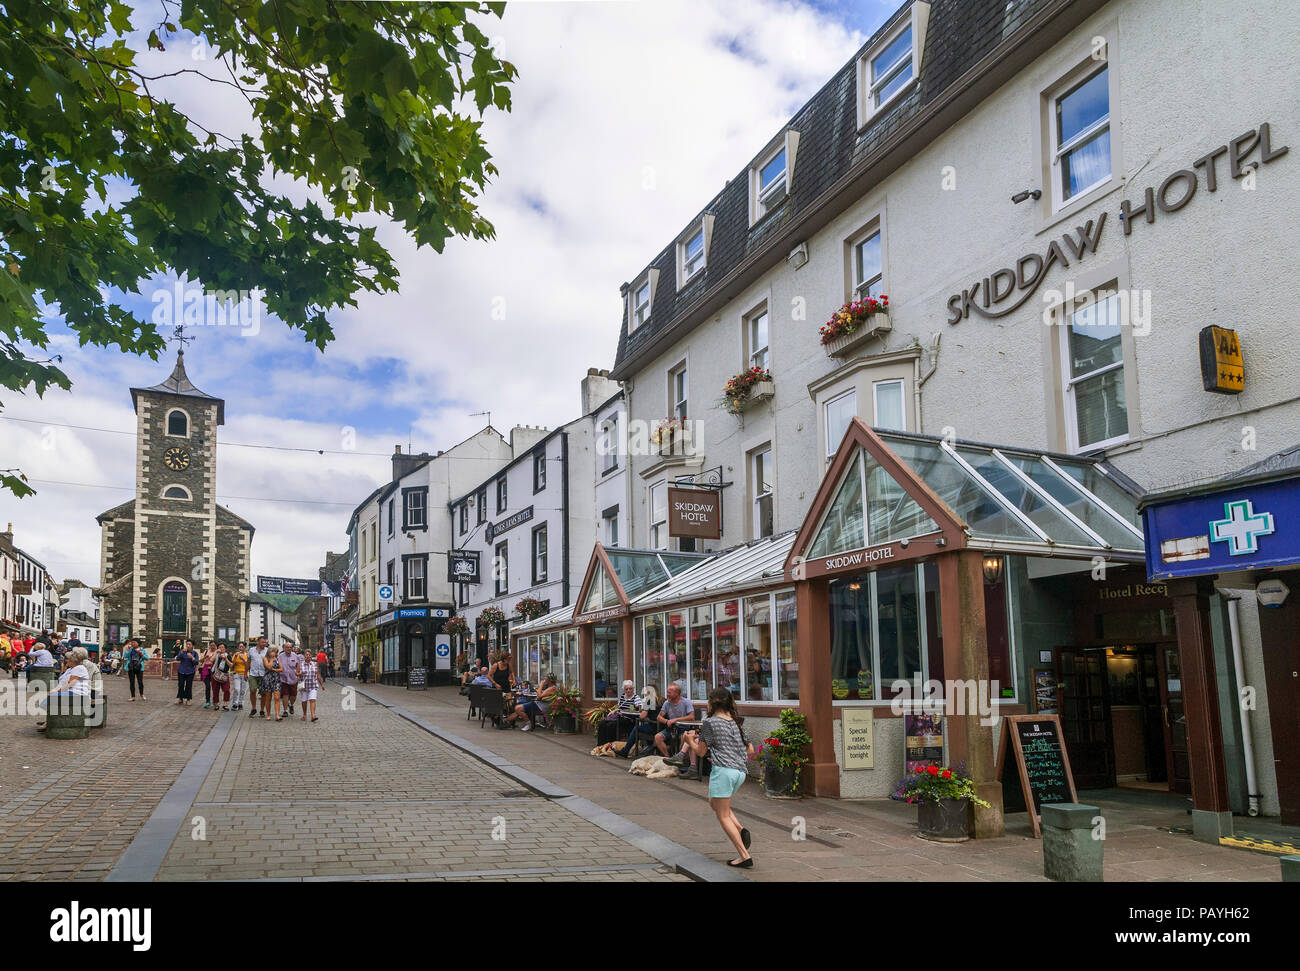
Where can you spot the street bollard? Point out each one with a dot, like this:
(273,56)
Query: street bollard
(1290,869)
(1070,852)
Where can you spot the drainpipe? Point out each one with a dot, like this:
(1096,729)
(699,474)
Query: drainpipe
(1248,746)
(564,478)
(919,379)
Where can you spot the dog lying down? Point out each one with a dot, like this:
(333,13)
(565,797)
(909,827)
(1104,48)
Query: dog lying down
(608,750)
(653,767)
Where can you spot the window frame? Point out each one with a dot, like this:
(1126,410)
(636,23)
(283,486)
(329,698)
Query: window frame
(875,228)
(539,532)
(684,274)
(501,568)
(503,495)
(749,338)
(539,472)
(915,19)
(188,497)
(392,505)
(638,319)
(167,422)
(408,595)
(464,518)
(609,519)
(655,525)
(480,502)
(610,432)
(1066,381)
(1069,83)
(679,407)
(763,197)
(408,495)
(755,460)
(832,447)
(875,401)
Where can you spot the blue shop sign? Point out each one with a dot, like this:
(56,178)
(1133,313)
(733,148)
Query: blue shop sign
(413,612)
(1249,527)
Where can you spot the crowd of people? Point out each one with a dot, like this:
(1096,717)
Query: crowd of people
(271,682)
(520,701)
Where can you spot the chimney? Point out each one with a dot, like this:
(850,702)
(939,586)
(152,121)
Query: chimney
(403,464)
(597,388)
(7,537)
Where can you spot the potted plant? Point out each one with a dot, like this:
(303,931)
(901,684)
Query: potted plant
(783,757)
(530,608)
(566,707)
(944,799)
(491,616)
(456,626)
(746,388)
(852,325)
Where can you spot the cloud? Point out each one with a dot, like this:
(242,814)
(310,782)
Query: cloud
(627,119)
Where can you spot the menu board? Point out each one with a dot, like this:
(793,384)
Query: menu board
(923,736)
(1044,683)
(417,678)
(857,727)
(1042,767)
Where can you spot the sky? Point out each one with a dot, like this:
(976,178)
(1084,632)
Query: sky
(627,118)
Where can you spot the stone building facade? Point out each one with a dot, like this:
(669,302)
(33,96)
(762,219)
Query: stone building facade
(174,564)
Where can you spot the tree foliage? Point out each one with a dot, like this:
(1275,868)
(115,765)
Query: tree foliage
(104,182)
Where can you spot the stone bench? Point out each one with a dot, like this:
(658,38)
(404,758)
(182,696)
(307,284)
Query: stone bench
(67,717)
(45,675)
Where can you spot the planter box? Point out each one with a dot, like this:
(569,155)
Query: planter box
(779,783)
(945,821)
(759,392)
(564,725)
(873,326)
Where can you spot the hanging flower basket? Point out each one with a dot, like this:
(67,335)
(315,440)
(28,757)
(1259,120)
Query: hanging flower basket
(456,627)
(491,616)
(857,322)
(665,430)
(530,608)
(747,388)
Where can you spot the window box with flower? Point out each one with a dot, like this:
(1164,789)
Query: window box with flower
(945,799)
(747,388)
(857,322)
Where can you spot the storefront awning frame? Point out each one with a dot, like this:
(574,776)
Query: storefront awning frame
(759,565)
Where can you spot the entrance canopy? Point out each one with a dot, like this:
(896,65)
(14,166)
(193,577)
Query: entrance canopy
(616,576)
(891,496)
(749,567)
(558,618)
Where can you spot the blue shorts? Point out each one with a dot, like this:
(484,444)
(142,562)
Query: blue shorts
(725,783)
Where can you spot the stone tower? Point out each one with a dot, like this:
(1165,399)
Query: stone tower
(173,563)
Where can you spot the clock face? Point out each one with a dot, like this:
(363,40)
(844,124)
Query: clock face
(176,458)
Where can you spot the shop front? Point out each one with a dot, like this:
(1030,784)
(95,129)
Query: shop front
(403,638)
(1240,534)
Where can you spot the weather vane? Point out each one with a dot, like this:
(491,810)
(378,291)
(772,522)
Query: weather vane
(178,335)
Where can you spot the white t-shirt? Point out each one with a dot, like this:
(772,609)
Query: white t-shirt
(257,661)
(39,657)
(82,687)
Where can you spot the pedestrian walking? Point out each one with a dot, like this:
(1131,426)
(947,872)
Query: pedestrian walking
(270,687)
(220,678)
(721,738)
(134,662)
(256,671)
(290,665)
(206,660)
(187,661)
(365,668)
(239,677)
(308,684)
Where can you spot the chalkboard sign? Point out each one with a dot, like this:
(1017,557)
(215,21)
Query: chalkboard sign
(417,678)
(1042,767)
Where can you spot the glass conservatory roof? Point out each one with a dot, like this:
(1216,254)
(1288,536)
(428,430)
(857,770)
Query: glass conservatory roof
(1003,497)
(755,564)
(560,617)
(636,571)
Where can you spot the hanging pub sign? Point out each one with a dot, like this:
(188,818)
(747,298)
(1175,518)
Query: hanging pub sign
(1222,369)
(694,512)
(492,531)
(463,566)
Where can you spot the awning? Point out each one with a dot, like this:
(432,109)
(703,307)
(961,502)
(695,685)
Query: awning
(558,618)
(890,496)
(617,576)
(753,566)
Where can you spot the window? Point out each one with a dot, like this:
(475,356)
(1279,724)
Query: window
(1080,137)
(374,541)
(761,471)
(176,492)
(1096,412)
(392,503)
(756,339)
(607,664)
(609,443)
(178,423)
(868,267)
(677,392)
(228,635)
(390,572)
(887,68)
(501,569)
(659,516)
(641,305)
(840,410)
(890,70)
(480,501)
(415,505)
(416,568)
(501,494)
(539,472)
(609,532)
(889,409)
(771,185)
(690,256)
(464,518)
(539,554)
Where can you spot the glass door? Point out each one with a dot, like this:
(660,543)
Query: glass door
(1171,686)
(1085,716)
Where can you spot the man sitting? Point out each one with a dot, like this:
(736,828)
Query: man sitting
(675,709)
(482,680)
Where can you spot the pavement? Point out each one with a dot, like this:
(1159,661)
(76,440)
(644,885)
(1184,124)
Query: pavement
(392,784)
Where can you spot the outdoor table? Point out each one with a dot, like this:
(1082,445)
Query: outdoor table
(685,726)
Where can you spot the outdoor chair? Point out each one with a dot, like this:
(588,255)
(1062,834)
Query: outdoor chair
(491,705)
(475,700)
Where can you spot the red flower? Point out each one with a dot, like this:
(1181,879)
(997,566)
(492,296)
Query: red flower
(947,774)
(933,770)
(920,769)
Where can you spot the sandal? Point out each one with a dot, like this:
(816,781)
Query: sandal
(279,719)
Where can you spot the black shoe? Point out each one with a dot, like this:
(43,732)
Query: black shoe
(745,837)
(743,864)
(252,714)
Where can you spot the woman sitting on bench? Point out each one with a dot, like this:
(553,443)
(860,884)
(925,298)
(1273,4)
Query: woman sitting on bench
(73,682)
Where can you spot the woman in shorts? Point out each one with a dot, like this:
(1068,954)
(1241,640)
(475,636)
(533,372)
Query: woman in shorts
(721,739)
(270,686)
(308,683)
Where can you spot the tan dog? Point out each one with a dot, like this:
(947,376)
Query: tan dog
(608,750)
(653,767)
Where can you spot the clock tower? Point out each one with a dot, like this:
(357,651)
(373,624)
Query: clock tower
(173,563)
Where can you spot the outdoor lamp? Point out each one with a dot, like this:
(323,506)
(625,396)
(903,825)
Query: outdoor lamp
(992,570)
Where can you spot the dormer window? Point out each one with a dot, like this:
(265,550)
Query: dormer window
(888,67)
(771,181)
(772,175)
(178,423)
(692,254)
(641,304)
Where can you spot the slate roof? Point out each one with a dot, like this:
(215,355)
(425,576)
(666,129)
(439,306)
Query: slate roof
(960,34)
(179,383)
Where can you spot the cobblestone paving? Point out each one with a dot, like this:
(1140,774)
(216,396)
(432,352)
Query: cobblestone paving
(69,808)
(363,794)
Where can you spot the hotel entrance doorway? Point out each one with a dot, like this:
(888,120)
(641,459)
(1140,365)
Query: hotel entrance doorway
(1121,708)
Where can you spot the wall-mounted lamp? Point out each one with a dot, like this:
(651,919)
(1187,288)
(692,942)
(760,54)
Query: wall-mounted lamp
(992,570)
(1020,197)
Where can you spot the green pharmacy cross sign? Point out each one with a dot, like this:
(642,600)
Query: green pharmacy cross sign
(1241,528)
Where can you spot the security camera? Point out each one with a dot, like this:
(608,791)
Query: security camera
(1020,197)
